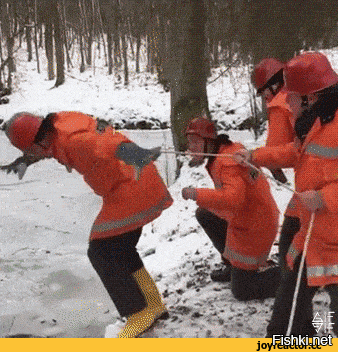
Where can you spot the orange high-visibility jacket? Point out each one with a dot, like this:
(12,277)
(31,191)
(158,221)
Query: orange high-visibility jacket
(280,117)
(316,168)
(127,204)
(242,198)
(282,111)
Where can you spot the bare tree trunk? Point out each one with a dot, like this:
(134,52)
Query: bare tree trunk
(58,38)
(125,58)
(187,68)
(150,55)
(117,48)
(29,41)
(49,47)
(101,30)
(82,65)
(110,52)
(10,60)
(138,49)
(36,36)
(40,36)
(81,31)
(65,34)
(89,34)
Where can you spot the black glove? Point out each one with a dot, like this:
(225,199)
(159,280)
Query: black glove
(278,175)
(136,156)
(18,167)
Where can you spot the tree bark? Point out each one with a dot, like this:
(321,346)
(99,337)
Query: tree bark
(29,42)
(187,68)
(125,58)
(49,47)
(36,36)
(138,49)
(110,53)
(58,39)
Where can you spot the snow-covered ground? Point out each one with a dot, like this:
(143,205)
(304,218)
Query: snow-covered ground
(47,285)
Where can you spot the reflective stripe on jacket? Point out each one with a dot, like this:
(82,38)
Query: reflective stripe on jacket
(242,198)
(127,204)
(316,168)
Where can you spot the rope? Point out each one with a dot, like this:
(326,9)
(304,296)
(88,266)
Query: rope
(230,156)
(300,271)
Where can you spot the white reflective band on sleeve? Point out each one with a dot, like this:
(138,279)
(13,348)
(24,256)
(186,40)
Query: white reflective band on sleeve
(315,271)
(321,151)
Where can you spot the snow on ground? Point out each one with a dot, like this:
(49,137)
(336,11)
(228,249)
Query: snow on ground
(47,285)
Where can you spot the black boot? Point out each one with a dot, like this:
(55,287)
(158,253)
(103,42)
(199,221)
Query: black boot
(221,275)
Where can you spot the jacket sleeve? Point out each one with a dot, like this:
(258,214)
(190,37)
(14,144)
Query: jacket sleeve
(330,196)
(230,196)
(284,156)
(280,131)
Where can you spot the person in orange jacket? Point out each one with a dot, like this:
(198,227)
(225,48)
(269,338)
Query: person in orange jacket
(283,107)
(314,156)
(104,158)
(267,78)
(240,215)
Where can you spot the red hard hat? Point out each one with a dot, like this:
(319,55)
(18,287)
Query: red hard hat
(309,73)
(22,128)
(264,71)
(202,127)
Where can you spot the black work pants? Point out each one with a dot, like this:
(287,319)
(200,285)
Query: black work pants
(291,225)
(215,227)
(115,260)
(284,295)
(245,284)
(302,323)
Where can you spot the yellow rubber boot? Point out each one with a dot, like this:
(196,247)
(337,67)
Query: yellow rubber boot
(141,321)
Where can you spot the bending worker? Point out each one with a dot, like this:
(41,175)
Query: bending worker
(105,159)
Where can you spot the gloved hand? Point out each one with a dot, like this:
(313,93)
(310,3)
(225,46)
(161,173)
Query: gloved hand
(278,175)
(136,156)
(17,167)
(242,157)
(189,193)
(312,200)
(20,165)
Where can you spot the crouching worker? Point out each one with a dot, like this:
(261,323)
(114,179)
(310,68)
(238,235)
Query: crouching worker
(106,159)
(240,215)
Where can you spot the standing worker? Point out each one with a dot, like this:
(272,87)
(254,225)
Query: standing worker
(268,80)
(106,159)
(283,107)
(314,156)
(240,215)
